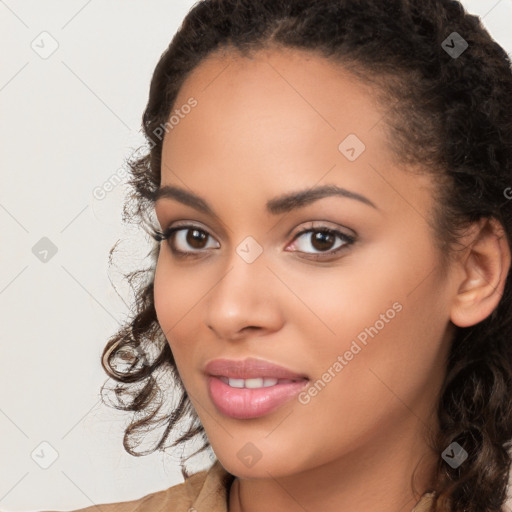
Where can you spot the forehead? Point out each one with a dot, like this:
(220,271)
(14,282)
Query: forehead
(302,85)
(276,120)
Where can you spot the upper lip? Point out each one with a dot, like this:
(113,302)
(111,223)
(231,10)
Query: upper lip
(250,368)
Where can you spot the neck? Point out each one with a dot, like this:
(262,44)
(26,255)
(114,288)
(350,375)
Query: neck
(374,477)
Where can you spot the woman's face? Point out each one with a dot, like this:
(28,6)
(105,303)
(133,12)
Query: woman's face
(366,321)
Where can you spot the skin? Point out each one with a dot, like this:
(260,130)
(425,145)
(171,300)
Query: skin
(270,125)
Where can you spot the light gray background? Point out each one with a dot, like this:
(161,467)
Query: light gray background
(67,124)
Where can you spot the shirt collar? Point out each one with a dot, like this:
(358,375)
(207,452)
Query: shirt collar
(214,494)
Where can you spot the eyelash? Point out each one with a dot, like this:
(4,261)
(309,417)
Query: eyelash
(167,234)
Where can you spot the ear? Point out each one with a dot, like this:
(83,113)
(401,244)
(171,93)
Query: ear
(484,269)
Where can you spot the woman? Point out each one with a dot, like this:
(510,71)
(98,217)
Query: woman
(331,182)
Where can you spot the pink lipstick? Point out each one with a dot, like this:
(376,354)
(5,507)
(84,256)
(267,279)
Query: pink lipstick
(250,388)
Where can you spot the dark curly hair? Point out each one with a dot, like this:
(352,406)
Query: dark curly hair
(452,114)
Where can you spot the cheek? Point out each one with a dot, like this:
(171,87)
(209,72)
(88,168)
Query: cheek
(386,322)
(164,293)
(176,293)
(362,389)
(174,306)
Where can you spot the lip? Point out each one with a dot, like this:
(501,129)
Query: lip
(250,368)
(246,403)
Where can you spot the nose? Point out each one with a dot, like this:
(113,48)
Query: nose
(244,300)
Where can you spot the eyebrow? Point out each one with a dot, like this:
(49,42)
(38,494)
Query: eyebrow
(281,204)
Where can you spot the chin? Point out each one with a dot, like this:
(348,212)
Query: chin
(273,466)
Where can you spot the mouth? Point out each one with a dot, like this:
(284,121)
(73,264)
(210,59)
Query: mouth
(254,383)
(251,388)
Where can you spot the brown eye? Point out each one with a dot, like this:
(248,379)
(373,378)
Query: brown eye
(185,240)
(196,238)
(322,240)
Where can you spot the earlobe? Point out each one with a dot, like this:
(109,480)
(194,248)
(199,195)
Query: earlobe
(485,268)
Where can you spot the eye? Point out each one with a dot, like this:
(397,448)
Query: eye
(183,237)
(186,237)
(321,239)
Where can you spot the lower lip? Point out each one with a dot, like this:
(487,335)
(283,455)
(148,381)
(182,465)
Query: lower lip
(246,403)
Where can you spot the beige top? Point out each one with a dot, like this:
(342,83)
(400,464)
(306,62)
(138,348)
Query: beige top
(205,491)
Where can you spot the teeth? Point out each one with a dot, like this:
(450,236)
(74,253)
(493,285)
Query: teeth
(259,383)
(254,383)
(236,383)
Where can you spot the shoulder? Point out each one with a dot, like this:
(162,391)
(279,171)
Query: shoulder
(178,496)
(208,487)
(425,502)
